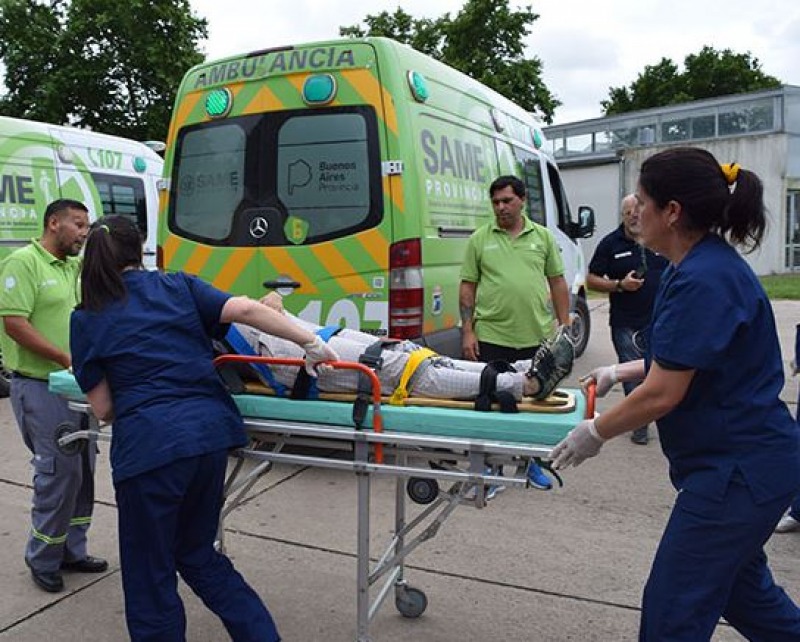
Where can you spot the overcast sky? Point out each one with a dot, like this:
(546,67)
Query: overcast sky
(586,46)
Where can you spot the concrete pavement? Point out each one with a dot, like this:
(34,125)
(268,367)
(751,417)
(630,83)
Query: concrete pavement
(542,566)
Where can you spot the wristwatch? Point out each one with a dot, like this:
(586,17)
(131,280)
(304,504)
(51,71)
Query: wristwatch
(619,285)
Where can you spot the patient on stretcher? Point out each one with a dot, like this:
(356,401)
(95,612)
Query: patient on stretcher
(408,369)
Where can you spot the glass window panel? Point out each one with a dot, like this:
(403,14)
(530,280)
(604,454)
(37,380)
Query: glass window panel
(210,181)
(703,126)
(579,144)
(675,130)
(323,171)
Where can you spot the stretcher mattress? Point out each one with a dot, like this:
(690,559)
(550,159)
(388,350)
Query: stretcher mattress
(545,429)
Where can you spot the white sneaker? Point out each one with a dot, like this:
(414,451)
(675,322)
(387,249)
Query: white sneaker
(788,524)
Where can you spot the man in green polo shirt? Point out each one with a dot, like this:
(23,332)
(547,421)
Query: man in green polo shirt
(38,291)
(510,265)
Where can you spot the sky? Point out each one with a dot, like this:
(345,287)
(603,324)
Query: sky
(586,46)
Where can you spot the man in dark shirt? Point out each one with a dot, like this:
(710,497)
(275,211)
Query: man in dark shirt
(630,274)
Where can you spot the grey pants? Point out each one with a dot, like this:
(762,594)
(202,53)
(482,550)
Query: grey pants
(63,485)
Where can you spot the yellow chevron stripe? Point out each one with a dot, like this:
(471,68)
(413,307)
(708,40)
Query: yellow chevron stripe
(236,263)
(282,261)
(335,263)
(265,100)
(376,245)
(170,247)
(393,185)
(198,259)
(369,88)
(185,107)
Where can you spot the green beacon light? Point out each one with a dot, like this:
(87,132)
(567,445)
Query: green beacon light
(418,86)
(538,141)
(219,102)
(319,89)
(139,165)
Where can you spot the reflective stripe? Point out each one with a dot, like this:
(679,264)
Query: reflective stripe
(414,360)
(48,540)
(80,521)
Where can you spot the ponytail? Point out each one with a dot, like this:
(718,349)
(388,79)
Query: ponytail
(113,245)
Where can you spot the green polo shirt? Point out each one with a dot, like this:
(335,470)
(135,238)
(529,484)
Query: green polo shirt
(36,285)
(512,300)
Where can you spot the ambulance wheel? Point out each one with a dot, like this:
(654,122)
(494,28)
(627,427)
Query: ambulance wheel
(65,429)
(410,602)
(422,490)
(581,325)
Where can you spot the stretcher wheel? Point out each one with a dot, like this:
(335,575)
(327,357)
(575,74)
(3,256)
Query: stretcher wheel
(410,602)
(422,490)
(72,448)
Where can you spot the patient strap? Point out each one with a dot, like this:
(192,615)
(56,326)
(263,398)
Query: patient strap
(371,357)
(488,388)
(415,359)
(239,345)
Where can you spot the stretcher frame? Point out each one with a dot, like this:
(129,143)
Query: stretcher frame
(420,464)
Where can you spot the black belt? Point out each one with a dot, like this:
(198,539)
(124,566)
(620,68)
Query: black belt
(18,375)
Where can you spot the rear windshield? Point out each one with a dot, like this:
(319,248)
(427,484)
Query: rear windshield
(279,178)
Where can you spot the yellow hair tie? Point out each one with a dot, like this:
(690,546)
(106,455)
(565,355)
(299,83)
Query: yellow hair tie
(104,227)
(731,171)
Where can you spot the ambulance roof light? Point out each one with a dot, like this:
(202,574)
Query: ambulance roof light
(319,89)
(219,102)
(418,86)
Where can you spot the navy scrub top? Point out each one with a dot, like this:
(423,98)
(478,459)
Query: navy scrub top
(712,315)
(154,348)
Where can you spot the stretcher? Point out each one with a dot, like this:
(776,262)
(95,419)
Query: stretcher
(442,458)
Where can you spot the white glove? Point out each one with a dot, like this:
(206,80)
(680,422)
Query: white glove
(604,376)
(582,442)
(316,351)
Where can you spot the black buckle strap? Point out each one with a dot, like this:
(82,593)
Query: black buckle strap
(487,393)
(372,357)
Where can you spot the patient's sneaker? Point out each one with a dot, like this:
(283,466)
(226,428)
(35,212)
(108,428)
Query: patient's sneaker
(553,362)
(788,524)
(537,477)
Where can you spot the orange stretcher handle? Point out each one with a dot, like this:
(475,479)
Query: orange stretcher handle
(591,398)
(377,417)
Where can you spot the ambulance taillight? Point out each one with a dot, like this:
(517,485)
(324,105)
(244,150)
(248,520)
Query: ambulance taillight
(405,289)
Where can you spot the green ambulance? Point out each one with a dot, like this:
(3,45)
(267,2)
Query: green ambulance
(347,175)
(40,163)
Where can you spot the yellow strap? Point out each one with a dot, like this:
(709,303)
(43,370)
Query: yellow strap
(414,359)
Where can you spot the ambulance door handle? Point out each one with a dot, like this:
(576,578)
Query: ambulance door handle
(281,284)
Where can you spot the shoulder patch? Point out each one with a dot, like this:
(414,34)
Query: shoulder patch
(10,283)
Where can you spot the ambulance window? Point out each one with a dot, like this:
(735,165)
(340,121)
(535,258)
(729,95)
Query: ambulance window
(562,204)
(532,175)
(209,180)
(323,175)
(124,196)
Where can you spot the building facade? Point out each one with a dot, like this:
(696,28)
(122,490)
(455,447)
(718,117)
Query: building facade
(600,159)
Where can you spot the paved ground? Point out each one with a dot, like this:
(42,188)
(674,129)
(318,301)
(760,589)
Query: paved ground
(543,566)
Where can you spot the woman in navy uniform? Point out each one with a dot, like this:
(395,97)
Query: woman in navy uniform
(711,380)
(142,351)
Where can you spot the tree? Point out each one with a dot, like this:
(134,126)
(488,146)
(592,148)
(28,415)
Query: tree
(485,40)
(108,66)
(707,74)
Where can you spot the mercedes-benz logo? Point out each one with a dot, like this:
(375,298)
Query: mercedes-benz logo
(258,227)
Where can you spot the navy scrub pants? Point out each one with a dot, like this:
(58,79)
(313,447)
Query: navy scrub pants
(711,563)
(168,521)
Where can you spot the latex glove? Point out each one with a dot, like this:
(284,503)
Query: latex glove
(581,443)
(316,351)
(604,376)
